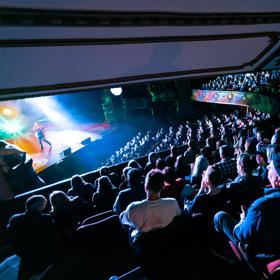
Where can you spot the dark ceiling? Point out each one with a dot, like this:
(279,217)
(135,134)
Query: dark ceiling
(77,46)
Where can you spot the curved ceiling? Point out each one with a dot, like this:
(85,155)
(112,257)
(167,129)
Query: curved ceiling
(80,45)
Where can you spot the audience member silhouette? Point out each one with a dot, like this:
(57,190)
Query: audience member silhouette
(227,164)
(105,196)
(34,237)
(258,230)
(134,192)
(79,187)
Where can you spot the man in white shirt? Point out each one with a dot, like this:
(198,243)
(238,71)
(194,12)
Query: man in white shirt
(153,212)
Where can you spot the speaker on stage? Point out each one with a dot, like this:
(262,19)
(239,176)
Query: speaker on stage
(65,153)
(86,141)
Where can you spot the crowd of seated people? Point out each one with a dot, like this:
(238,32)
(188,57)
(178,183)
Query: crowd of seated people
(191,133)
(216,175)
(266,82)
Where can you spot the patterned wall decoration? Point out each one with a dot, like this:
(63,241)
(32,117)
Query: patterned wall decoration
(260,102)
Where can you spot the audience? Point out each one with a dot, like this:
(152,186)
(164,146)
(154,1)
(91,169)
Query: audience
(201,163)
(192,152)
(63,214)
(182,169)
(245,188)
(171,159)
(124,184)
(103,171)
(209,198)
(228,175)
(16,167)
(227,164)
(153,212)
(261,171)
(258,229)
(104,198)
(134,192)
(265,82)
(151,163)
(172,186)
(79,187)
(34,237)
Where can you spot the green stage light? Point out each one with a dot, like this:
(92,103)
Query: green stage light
(11,127)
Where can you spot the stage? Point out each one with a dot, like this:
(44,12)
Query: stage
(67,120)
(60,140)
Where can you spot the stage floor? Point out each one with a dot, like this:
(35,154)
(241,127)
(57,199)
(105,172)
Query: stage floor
(60,140)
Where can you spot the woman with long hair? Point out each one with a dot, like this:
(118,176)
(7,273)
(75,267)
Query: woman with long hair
(105,196)
(63,213)
(79,187)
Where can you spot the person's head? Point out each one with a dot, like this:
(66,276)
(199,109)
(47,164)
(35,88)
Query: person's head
(115,178)
(125,171)
(226,152)
(206,151)
(59,201)
(154,181)
(259,136)
(160,163)
(192,145)
(256,130)
(134,177)
(77,181)
(244,164)
(169,175)
(36,203)
(104,171)
(250,147)
(274,169)
(134,164)
(174,151)
(269,150)
(213,176)
(276,137)
(210,142)
(152,158)
(261,158)
(180,162)
(220,143)
(104,184)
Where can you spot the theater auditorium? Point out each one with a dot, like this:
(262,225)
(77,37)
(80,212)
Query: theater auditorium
(139,140)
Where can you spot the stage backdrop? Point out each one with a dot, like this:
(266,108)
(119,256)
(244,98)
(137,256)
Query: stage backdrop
(256,101)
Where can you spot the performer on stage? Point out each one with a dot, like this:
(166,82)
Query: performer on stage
(40,134)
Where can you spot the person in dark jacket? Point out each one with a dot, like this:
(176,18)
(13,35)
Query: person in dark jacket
(210,197)
(34,238)
(259,226)
(135,192)
(246,188)
(152,158)
(63,214)
(105,196)
(171,159)
(79,187)
(261,170)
